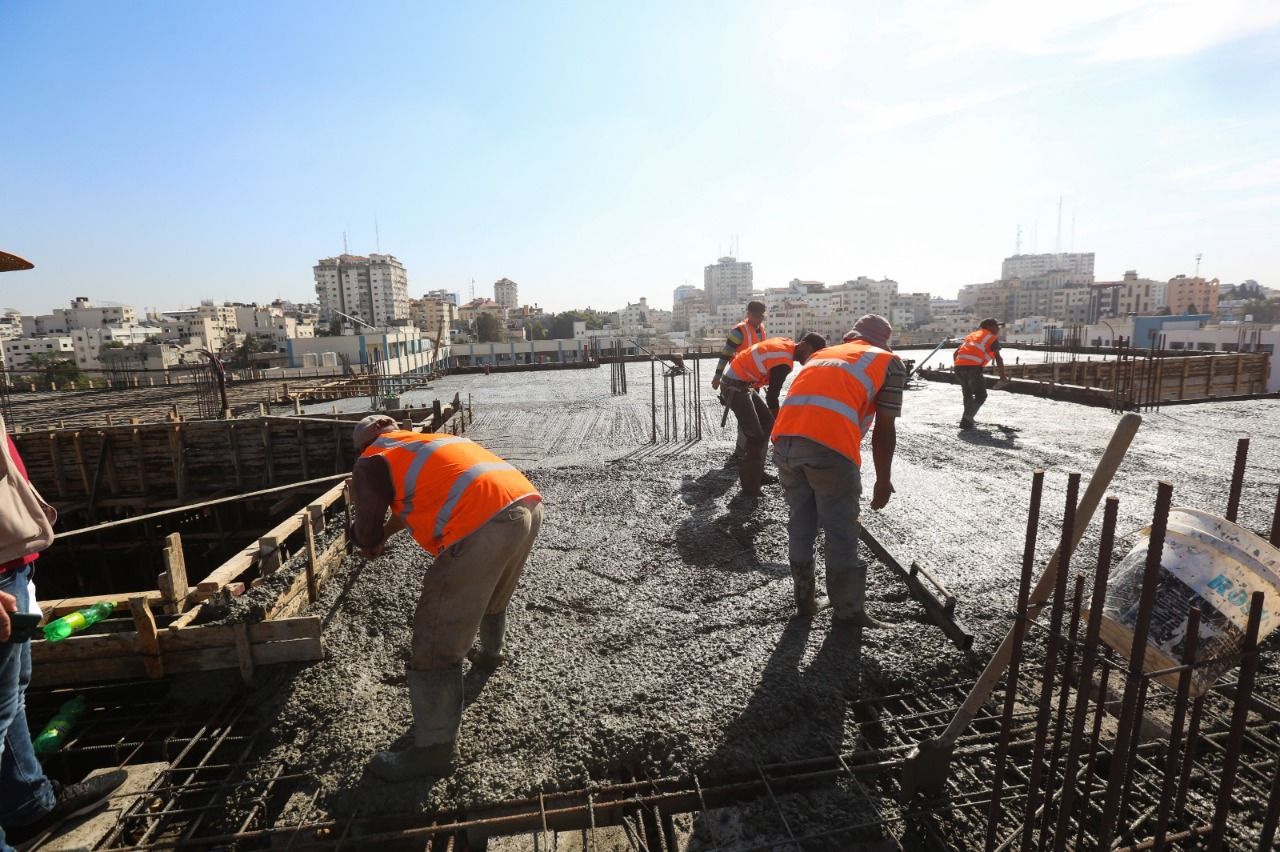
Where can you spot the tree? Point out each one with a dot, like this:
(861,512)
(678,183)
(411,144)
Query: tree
(488,329)
(244,355)
(63,371)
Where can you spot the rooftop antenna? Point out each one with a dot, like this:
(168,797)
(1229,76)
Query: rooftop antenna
(1057,245)
(377,235)
(473,289)
(344,243)
(1198,256)
(1073,230)
(1017,243)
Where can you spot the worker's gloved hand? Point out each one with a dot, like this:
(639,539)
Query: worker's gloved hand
(880,496)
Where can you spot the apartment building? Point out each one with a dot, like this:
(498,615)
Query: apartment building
(1077,268)
(430,313)
(506,293)
(728,281)
(1185,295)
(18,352)
(373,289)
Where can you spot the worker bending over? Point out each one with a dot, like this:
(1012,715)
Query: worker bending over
(741,337)
(478,516)
(817,440)
(766,364)
(977,350)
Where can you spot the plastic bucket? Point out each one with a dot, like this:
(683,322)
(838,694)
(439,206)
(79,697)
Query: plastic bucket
(1207,562)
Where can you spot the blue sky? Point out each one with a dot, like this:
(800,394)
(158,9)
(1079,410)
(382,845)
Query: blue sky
(160,153)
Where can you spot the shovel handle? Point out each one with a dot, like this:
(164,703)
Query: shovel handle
(1098,484)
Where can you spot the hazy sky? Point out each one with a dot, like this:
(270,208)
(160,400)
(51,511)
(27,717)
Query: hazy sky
(596,152)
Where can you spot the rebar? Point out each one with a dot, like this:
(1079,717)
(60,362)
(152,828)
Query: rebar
(1237,479)
(1230,763)
(1175,728)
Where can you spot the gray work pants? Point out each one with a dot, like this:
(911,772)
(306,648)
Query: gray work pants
(473,578)
(973,387)
(755,422)
(823,489)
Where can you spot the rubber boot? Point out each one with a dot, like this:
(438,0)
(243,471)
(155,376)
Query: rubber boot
(844,608)
(436,698)
(807,601)
(493,630)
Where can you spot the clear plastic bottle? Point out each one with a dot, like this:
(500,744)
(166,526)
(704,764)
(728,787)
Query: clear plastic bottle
(61,628)
(55,733)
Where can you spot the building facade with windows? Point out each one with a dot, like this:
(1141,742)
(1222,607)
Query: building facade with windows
(373,289)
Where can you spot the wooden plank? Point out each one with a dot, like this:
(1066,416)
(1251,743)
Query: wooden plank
(85,479)
(267,457)
(244,653)
(174,642)
(302,450)
(56,455)
(144,624)
(271,552)
(56,607)
(139,460)
(310,569)
(131,667)
(235,454)
(178,462)
(173,581)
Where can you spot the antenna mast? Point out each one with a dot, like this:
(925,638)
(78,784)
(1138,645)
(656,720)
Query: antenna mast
(377,235)
(1198,256)
(1057,245)
(1017,243)
(344,243)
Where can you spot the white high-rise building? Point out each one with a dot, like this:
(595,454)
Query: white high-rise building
(374,289)
(505,293)
(1078,266)
(728,282)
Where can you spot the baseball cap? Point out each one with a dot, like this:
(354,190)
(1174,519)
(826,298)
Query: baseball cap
(872,328)
(990,322)
(755,307)
(370,428)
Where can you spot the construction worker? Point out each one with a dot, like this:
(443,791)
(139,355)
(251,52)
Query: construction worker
(977,350)
(766,364)
(817,438)
(742,336)
(478,516)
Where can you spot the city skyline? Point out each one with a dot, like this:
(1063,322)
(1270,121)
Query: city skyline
(596,156)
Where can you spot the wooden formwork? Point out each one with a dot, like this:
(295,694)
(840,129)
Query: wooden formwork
(1164,379)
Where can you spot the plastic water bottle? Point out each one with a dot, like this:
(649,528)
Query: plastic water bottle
(61,628)
(55,733)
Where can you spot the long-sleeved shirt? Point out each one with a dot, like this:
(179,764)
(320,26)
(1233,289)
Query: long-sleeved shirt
(15,564)
(372,493)
(732,346)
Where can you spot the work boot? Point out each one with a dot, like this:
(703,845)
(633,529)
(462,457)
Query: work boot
(70,800)
(966,423)
(493,630)
(436,698)
(847,604)
(807,601)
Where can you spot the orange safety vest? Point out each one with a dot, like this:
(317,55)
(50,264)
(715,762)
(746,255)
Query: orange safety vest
(976,349)
(752,365)
(750,336)
(446,487)
(833,399)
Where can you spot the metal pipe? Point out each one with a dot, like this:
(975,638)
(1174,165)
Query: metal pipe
(1141,628)
(1237,479)
(1175,729)
(1239,715)
(1015,656)
(1051,659)
(1089,659)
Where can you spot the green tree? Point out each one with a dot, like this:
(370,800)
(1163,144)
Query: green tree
(244,353)
(488,329)
(62,371)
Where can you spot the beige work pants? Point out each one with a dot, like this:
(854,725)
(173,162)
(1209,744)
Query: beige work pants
(473,578)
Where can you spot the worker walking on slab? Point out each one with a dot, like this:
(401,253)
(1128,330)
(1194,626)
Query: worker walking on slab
(817,440)
(478,516)
(766,364)
(977,350)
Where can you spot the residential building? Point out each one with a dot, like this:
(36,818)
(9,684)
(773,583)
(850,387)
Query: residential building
(1130,295)
(89,343)
(10,325)
(401,351)
(429,314)
(728,281)
(373,289)
(270,323)
(506,293)
(1078,267)
(82,314)
(18,352)
(476,307)
(445,296)
(1192,295)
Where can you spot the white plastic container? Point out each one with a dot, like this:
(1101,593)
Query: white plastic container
(1207,562)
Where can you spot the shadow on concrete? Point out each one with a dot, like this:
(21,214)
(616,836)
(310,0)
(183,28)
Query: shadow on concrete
(1003,437)
(797,712)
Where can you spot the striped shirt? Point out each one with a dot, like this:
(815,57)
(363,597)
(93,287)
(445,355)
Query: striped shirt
(889,399)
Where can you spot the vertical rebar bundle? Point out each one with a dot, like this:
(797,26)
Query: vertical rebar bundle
(681,398)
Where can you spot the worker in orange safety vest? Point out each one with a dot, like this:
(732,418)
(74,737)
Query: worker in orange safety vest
(977,350)
(766,364)
(817,437)
(741,337)
(478,516)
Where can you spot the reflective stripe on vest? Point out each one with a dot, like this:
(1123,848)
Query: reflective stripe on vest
(464,485)
(750,336)
(752,365)
(976,349)
(833,399)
